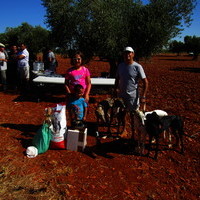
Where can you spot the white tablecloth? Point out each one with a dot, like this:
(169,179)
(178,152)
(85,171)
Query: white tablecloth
(61,80)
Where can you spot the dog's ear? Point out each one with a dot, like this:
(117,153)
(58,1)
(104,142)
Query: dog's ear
(155,115)
(152,117)
(148,116)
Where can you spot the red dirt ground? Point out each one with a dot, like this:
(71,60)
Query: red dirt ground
(110,171)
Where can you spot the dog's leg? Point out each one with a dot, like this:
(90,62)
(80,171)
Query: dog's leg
(109,120)
(169,138)
(157,146)
(118,118)
(179,140)
(164,134)
(181,134)
(150,144)
(123,115)
(176,134)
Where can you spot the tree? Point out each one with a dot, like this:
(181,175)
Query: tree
(35,38)
(192,44)
(104,27)
(177,47)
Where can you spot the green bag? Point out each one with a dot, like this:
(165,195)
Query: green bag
(42,139)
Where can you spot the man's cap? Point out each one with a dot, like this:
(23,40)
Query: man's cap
(2,45)
(130,49)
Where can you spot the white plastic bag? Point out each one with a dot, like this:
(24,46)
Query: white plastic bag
(31,152)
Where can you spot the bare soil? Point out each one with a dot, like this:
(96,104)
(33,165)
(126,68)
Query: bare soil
(111,170)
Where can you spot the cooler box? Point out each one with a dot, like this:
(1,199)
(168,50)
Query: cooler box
(76,139)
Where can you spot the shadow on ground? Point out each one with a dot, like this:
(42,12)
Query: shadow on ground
(27,132)
(187,69)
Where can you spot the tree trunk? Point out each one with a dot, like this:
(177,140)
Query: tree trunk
(196,57)
(113,67)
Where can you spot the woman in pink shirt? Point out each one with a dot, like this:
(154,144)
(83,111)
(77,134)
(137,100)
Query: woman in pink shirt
(78,74)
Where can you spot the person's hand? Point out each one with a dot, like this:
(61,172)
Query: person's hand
(143,104)
(87,98)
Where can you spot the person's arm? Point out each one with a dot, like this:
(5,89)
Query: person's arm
(67,86)
(85,113)
(144,93)
(68,92)
(21,56)
(88,88)
(1,59)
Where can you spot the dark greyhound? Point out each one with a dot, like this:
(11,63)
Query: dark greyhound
(155,126)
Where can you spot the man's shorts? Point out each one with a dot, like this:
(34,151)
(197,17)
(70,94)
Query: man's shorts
(24,73)
(131,104)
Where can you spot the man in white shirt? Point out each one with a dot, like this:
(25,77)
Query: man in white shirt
(3,65)
(23,66)
(129,73)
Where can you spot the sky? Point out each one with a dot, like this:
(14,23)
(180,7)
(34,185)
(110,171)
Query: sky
(14,13)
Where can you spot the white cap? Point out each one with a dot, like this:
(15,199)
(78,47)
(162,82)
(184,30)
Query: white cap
(2,45)
(130,49)
(31,152)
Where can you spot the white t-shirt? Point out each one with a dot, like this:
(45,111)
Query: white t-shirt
(3,64)
(25,61)
(52,57)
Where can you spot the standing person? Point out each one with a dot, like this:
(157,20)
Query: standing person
(3,66)
(51,60)
(23,67)
(12,66)
(128,75)
(78,74)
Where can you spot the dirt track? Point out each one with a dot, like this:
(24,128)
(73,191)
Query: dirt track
(110,171)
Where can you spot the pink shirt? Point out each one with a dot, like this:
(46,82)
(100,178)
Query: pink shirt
(75,77)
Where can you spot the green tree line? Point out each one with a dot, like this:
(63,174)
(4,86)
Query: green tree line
(36,38)
(105,27)
(191,44)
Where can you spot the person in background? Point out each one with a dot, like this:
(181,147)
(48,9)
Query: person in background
(3,66)
(129,73)
(23,68)
(51,60)
(12,66)
(78,74)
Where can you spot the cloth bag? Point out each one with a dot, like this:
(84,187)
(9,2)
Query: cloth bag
(42,139)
